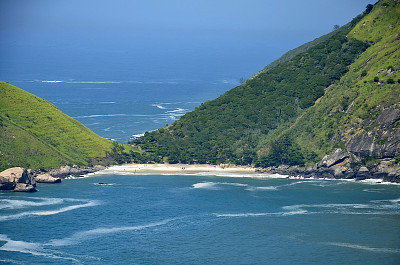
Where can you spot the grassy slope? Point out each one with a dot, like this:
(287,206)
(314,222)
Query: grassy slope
(35,134)
(340,113)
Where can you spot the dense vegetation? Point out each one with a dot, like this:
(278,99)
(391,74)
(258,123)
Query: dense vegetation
(229,128)
(372,84)
(35,134)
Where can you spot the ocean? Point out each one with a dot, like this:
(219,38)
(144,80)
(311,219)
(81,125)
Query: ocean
(132,88)
(201,219)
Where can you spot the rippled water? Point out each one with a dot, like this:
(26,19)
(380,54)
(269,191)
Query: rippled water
(201,219)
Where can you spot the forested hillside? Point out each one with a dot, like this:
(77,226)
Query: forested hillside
(35,134)
(296,110)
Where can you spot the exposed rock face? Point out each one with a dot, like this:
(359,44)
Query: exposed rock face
(66,171)
(336,157)
(16,176)
(381,142)
(46,178)
(24,187)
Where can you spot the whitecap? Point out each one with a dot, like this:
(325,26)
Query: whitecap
(373,190)
(94,82)
(18,204)
(51,81)
(35,249)
(297,212)
(362,247)
(262,188)
(52,212)
(205,185)
(158,106)
(101,115)
(86,235)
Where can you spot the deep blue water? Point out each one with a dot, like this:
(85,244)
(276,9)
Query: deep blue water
(201,219)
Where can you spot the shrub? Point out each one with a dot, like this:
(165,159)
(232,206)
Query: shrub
(390,81)
(376,79)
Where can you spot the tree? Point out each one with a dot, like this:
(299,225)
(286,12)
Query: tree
(335,27)
(369,8)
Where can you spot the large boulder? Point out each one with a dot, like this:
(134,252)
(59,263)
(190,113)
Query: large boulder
(46,178)
(24,187)
(11,177)
(334,158)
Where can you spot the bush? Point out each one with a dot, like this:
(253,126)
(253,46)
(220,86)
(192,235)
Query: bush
(390,81)
(376,79)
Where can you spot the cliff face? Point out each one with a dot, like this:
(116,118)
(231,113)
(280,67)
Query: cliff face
(383,141)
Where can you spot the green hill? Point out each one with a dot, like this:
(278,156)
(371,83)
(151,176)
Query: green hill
(35,134)
(295,111)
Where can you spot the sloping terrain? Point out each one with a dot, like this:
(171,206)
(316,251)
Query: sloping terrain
(35,134)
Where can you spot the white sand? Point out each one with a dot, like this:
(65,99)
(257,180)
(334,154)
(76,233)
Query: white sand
(179,168)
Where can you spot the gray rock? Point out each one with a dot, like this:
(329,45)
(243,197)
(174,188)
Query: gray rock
(47,178)
(22,187)
(11,177)
(337,156)
(363,169)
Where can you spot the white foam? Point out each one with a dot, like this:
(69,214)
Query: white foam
(297,212)
(366,248)
(51,81)
(205,185)
(86,235)
(262,188)
(373,190)
(108,102)
(66,209)
(35,249)
(94,82)
(101,115)
(40,213)
(18,204)
(158,106)
(212,185)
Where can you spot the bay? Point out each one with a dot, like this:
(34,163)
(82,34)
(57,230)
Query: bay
(201,219)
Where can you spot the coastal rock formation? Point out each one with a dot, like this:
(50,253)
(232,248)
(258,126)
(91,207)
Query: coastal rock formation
(22,187)
(74,171)
(46,178)
(336,157)
(17,178)
(381,142)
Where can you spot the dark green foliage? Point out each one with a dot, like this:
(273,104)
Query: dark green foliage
(390,81)
(369,8)
(283,151)
(228,129)
(376,79)
(363,73)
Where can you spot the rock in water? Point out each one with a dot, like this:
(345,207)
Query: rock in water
(46,178)
(24,187)
(17,175)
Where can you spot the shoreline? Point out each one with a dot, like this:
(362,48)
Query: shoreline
(178,169)
(229,170)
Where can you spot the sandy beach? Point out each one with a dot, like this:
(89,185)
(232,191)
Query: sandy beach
(179,169)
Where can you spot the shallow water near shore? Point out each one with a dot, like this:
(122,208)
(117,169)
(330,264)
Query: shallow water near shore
(197,219)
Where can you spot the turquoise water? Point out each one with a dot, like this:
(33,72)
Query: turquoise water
(201,219)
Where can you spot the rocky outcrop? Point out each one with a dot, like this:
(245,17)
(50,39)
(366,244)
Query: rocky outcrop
(383,140)
(336,157)
(74,171)
(342,165)
(46,178)
(18,179)
(22,187)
